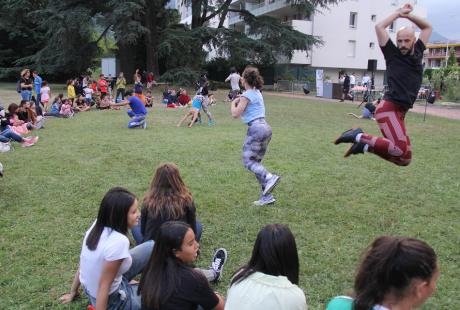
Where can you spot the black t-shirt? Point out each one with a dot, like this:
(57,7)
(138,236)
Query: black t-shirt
(191,291)
(150,224)
(404,73)
(346,82)
(28,83)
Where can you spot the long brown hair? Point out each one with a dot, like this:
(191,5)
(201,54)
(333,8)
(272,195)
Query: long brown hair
(168,194)
(389,266)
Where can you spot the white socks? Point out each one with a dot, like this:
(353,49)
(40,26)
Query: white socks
(358,137)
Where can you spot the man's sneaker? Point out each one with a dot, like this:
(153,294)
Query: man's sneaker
(264,200)
(355,148)
(271,183)
(218,261)
(211,123)
(348,136)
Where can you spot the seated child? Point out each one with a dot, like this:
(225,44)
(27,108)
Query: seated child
(149,99)
(81,105)
(183,99)
(66,109)
(55,107)
(17,126)
(104,103)
(194,110)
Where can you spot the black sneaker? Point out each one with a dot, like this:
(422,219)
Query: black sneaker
(218,261)
(356,148)
(348,136)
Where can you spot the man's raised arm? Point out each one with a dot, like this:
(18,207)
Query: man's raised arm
(380,28)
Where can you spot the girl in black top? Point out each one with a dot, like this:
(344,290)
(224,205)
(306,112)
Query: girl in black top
(168,282)
(168,199)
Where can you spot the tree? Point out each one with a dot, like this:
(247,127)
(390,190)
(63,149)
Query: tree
(452,60)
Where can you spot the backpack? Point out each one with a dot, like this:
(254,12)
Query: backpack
(18,86)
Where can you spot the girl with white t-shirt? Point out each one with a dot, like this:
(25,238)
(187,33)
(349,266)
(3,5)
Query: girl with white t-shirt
(45,95)
(106,263)
(269,280)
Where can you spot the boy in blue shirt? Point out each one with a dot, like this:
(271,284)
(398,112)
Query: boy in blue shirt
(137,113)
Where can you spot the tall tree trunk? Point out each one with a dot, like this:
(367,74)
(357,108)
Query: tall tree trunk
(151,38)
(127,61)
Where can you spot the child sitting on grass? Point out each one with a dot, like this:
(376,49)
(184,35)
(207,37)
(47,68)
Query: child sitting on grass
(66,108)
(194,110)
(149,99)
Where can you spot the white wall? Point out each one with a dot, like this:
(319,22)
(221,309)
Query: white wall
(333,28)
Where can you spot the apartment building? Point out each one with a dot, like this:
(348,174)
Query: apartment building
(347,31)
(436,54)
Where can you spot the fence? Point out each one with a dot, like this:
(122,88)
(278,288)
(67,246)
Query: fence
(293,86)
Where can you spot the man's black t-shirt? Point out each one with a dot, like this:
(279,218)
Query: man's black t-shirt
(404,73)
(192,291)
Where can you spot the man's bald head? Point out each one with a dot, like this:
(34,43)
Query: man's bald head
(405,38)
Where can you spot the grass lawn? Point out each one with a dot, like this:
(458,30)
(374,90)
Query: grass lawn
(335,206)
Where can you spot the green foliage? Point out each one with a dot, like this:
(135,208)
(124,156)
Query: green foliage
(447,79)
(184,76)
(452,60)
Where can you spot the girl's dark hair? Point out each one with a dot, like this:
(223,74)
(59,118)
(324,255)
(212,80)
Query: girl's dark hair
(274,253)
(389,266)
(113,213)
(44,83)
(12,108)
(253,77)
(162,273)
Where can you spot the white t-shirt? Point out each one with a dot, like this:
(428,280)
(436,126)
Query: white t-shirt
(112,246)
(234,80)
(365,79)
(261,291)
(352,80)
(88,92)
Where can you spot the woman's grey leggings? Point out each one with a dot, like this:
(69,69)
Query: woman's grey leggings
(255,145)
(204,106)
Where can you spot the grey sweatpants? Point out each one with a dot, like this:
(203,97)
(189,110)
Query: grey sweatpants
(255,145)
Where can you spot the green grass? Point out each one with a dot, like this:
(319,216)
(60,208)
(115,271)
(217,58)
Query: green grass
(335,206)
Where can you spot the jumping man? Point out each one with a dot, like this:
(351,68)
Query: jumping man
(404,71)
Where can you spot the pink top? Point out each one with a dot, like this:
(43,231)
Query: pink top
(45,94)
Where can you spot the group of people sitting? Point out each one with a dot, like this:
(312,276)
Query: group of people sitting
(395,272)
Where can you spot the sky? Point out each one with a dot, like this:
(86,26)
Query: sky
(444,15)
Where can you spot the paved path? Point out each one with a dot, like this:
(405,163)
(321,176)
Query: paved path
(441,111)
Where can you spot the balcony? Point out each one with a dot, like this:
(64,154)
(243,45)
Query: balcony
(267,7)
(304,26)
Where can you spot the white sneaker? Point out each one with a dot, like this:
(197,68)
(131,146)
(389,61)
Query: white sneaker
(264,200)
(271,183)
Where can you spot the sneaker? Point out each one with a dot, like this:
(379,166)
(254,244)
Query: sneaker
(355,148)
(264,200)
(271,183)
(211,123)
(348,136)
(218,261)
(32,140)
(27,143)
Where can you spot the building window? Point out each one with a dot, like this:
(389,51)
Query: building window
(351,48)
(353,19)
(373,17)
(392,26)
(371,45)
